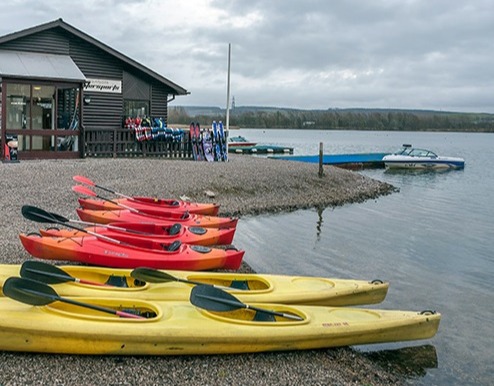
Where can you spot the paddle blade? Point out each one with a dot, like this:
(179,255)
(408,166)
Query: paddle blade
(214,299)
(83,180)
(29,291)
(150,275)
(83,190)
(39,215)
(44,273)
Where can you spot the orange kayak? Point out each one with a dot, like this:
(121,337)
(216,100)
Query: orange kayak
(127,252)
(126,215)
(158,204)
(151,231)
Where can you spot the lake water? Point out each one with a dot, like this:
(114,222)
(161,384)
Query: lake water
(433,241)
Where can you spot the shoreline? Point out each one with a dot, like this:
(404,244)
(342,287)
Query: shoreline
(243,186)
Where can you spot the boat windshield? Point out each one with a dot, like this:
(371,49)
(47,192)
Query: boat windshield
(413,152)
(422,153)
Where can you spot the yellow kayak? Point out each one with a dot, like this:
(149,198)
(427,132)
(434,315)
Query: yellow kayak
(87,281)
(212,322)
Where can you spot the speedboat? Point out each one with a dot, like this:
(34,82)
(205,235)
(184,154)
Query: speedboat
(240,141)
(413,158)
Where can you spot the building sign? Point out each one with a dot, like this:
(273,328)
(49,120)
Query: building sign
(103,85)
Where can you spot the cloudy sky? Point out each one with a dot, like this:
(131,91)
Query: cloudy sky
(310,54)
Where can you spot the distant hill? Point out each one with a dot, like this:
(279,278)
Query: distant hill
(215,110)
(336,119)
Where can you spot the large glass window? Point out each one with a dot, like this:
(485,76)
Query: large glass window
(43,107)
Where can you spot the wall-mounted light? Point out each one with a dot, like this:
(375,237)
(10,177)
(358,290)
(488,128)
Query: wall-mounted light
(87,100)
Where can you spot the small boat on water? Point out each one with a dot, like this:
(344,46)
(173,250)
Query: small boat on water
(239,141)
(414,158)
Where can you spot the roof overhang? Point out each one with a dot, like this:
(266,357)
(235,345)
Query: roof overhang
(32,65)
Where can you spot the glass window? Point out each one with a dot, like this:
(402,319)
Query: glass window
(136,108)
(43,107)
(17,106)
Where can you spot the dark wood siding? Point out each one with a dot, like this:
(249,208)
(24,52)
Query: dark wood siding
(159,105)
(54,41)
(105,109)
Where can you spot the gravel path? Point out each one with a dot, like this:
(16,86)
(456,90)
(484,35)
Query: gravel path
(244,185)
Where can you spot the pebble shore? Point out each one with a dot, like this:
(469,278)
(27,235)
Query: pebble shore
(243,186)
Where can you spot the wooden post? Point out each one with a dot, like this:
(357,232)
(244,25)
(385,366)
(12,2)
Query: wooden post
(321,172)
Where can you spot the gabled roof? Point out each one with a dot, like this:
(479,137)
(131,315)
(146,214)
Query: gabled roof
(59,23)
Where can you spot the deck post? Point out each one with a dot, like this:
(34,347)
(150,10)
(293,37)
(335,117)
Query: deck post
(321,172)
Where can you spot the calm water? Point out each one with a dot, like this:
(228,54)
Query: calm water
(433,241)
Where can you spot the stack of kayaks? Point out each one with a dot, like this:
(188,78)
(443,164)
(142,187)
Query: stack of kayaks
(81,317)
(124,303)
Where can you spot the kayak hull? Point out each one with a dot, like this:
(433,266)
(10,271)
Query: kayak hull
(135,253)
(257,288)
(158,204)
(154,232)
(179,328)
(125,215)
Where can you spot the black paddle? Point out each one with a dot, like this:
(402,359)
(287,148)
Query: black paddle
(50,274)
(87,181)
(151,275)
(39,294)
(39,215)
(214,299)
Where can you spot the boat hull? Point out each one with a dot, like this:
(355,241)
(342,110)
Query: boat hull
(157,233)
(134,253)
(125,215)
(391,163)
(179,328)
(250,287)
(142,203)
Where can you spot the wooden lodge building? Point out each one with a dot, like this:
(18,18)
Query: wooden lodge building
(65,94)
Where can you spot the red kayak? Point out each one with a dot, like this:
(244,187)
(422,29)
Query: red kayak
(157,204)
(126,215)
(151,231)
(126,252)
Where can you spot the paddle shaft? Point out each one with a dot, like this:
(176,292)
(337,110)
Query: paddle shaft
(88,192)
(238,304)
(122,314)
(87,181)
(66,277)
(50,218)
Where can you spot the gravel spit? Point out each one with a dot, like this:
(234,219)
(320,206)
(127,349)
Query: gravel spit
(243,186)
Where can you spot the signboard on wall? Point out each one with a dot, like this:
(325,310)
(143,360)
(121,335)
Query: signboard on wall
(103,85)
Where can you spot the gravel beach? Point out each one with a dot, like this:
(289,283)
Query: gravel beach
(243,186)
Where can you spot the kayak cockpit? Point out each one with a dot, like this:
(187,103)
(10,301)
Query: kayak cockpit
(143,309)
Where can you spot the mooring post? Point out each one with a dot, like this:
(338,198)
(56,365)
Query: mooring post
(321,172)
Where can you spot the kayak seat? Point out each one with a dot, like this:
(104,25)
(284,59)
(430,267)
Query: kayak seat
(175,229)
(264,317)
(173,246)
(240,284)
(117,281)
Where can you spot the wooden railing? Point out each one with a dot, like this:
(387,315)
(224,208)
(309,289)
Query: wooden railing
(122,143)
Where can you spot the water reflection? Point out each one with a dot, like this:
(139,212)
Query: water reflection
(320,220)
(410,362)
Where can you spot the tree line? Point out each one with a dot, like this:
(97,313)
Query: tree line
(335,119)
